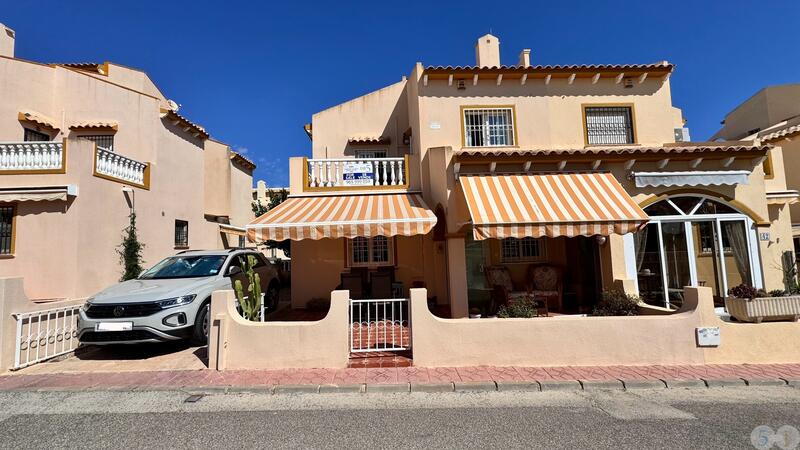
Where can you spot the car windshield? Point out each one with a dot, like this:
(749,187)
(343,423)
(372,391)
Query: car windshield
(185,267)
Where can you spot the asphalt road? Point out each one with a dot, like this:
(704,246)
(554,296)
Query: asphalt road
(671,418)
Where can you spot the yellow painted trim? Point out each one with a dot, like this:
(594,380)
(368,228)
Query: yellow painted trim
(13,229)
(716,195)
(463,125)
(768,166)
(145,185)
(600,105)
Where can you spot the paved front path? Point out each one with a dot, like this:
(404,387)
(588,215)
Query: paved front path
(411,378)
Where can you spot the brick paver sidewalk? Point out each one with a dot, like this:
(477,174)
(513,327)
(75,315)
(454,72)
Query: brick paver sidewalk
(415,378)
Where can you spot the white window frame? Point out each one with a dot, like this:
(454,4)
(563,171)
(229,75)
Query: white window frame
(486,128)
(538,243)
(716,219)
(371,253)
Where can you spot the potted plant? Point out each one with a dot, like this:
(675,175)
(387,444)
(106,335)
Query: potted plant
(748,304)
(474,313)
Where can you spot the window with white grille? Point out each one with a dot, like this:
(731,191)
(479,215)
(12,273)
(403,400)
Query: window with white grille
(522,250)
(105,141)
(488,127)
(608,125)
(370,154)
(376,251)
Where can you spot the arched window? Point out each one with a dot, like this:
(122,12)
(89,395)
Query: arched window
(694,240)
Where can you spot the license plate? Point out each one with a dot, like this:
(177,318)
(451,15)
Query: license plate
(114,326)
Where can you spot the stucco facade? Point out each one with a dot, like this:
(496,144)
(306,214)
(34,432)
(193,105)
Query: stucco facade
(65,248)
(545,115)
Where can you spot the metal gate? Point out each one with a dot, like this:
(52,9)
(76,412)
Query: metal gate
(41,335)
(379,325)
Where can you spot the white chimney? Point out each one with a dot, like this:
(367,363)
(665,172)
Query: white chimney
(487,51)
(524,58)
(6,41)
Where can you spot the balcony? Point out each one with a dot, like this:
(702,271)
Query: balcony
(32,158)
(115,167)
(355,174)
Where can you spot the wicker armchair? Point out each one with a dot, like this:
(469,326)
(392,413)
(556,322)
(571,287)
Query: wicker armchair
(545,283)
(504,292)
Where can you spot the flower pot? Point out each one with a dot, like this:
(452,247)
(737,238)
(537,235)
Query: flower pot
(764,308)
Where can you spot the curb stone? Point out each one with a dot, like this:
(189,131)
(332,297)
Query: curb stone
(526,386)
(689,383)
(251,389)
(724,382)
(388,388)
(475,386)
(296,389)
(341,388)
(793,382)
(590,385)
(432,387)
(559,385)
(765,382)
(643,384)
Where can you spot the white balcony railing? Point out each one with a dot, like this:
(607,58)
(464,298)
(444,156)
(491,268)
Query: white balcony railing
(32,157)
(357,172)
(120,168)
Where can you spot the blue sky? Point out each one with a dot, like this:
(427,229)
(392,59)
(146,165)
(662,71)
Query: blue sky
(253,74)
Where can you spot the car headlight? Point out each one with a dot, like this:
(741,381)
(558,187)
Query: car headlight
(176,301)
(88,304)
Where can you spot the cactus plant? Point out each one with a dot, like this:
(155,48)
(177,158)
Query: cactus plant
(251,303)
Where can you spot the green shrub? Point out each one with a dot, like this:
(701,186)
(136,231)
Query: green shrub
(617,303)
(778,293)
(746,291)
(523,307)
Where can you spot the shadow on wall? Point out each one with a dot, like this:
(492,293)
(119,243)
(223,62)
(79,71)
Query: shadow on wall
(534,88)
(44,207)
(181,133)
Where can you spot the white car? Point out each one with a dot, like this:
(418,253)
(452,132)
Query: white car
(171,300)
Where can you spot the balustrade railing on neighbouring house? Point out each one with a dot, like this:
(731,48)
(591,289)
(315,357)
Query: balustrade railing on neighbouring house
(32,157)
(119,168)
(45,334)
(357,173)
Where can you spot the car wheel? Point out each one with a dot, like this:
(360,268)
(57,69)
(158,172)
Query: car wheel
(272,297)
(201,325)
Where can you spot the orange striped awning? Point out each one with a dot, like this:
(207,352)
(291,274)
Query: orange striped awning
(563,204)
(343,216)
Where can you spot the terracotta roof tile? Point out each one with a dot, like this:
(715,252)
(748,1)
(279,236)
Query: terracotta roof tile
(599,151)
(661,66)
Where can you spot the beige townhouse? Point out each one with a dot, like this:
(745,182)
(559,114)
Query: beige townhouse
(486,182)
(81,145)
(772,116)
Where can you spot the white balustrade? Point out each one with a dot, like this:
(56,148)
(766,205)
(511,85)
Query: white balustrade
(120,167)
(45,334)
(356,172)
(31,156)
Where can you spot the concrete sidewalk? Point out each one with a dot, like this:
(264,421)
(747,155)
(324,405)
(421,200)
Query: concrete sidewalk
(405,379)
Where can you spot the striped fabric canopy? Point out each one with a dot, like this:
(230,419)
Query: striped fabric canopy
(343,216)
(563,204)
